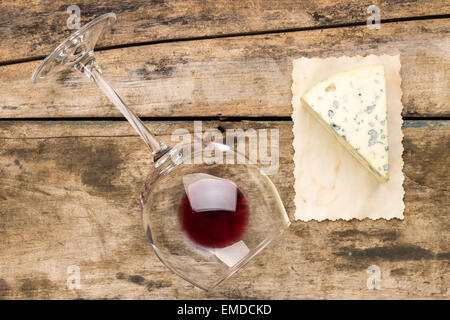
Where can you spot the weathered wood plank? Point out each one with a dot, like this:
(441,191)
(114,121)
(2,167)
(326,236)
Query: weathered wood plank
(68,196)
(31,29)
(243,76)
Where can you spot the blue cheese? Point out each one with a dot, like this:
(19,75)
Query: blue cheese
(352,106)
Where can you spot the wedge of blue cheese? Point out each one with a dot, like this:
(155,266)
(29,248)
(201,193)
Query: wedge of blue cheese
(352,106)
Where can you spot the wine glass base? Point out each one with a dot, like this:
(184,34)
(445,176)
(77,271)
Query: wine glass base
(79,46)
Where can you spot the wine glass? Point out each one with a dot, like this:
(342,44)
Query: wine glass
(204,221)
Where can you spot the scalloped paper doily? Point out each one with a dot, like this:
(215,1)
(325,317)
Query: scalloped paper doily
(329,182)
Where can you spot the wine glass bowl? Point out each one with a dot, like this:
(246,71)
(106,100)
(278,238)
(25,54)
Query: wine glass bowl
(204,220)
(262,219)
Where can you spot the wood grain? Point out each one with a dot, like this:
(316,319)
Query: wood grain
(30,29)
(242,76)
(68,196)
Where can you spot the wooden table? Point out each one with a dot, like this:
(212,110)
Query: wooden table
(71,167)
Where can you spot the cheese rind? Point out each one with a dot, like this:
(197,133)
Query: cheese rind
(352,106)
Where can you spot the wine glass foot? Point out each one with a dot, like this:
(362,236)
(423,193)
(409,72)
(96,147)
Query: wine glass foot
(79,47)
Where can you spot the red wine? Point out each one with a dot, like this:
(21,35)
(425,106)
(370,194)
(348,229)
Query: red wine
(215,228)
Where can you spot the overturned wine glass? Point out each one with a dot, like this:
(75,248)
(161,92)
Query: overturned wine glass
(204,221)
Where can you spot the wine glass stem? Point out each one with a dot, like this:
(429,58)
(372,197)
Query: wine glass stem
(92,71)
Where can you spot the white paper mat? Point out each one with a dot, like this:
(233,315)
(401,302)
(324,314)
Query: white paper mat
(329,182)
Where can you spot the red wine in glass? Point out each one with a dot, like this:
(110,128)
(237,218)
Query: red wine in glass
(214,228)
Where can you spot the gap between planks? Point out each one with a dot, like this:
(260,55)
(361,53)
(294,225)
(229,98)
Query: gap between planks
(216,123)
(192,118)
(235,35)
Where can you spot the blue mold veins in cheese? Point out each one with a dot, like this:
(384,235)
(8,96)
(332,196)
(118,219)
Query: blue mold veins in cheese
(352,106)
